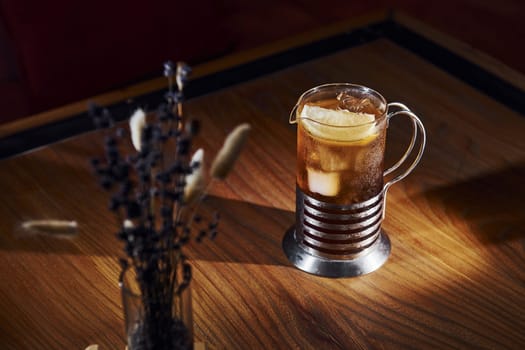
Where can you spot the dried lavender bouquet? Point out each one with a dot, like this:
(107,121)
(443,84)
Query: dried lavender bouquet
(155,194)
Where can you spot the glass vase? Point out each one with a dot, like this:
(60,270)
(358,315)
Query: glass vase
(155,319)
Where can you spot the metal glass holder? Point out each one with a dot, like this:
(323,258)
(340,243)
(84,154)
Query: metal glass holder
(337,240)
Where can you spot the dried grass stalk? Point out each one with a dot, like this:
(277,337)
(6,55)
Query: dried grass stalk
(60,227)
(182,74)
(195,183)
(136,124)
(228,154)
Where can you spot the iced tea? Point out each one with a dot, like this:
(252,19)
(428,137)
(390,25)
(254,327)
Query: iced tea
(340,147)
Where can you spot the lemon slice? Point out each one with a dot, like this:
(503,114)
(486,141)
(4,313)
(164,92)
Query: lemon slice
(337,125)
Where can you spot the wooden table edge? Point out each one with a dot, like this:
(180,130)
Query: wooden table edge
(461,49)
(384,16)
(199,70)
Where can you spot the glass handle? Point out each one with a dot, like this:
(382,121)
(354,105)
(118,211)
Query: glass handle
(417,128)
(293,114)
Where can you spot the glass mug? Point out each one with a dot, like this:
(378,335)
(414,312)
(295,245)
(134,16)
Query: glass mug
(341,192)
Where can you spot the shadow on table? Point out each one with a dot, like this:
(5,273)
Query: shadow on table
(491,204)
(248,233)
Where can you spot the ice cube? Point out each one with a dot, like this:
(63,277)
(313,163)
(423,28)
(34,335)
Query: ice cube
(356,104)
(326,184)
(331,160)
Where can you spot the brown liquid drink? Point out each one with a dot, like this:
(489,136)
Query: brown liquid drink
(340,150)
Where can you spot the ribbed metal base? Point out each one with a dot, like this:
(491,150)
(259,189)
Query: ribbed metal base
(373,258)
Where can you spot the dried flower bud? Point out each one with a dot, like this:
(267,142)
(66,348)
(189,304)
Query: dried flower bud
(136,124)
(164,177)
(110,142)
(114,203)
(195,180)
(94,109)
(193,127)
(166,212)
(201,235)
(173,96)
(106,182)
(183,146)
(176,168)
(120,132)
(186,272)
(122,235)
(95,162)
(164,111)
(106,119)
(228,154)
(134,210)
(168,69)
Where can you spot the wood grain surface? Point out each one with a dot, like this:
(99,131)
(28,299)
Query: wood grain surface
(455,278)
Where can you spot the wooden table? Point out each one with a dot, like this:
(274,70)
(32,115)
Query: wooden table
(455,278)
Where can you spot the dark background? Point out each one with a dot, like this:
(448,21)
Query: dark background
(58,51)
